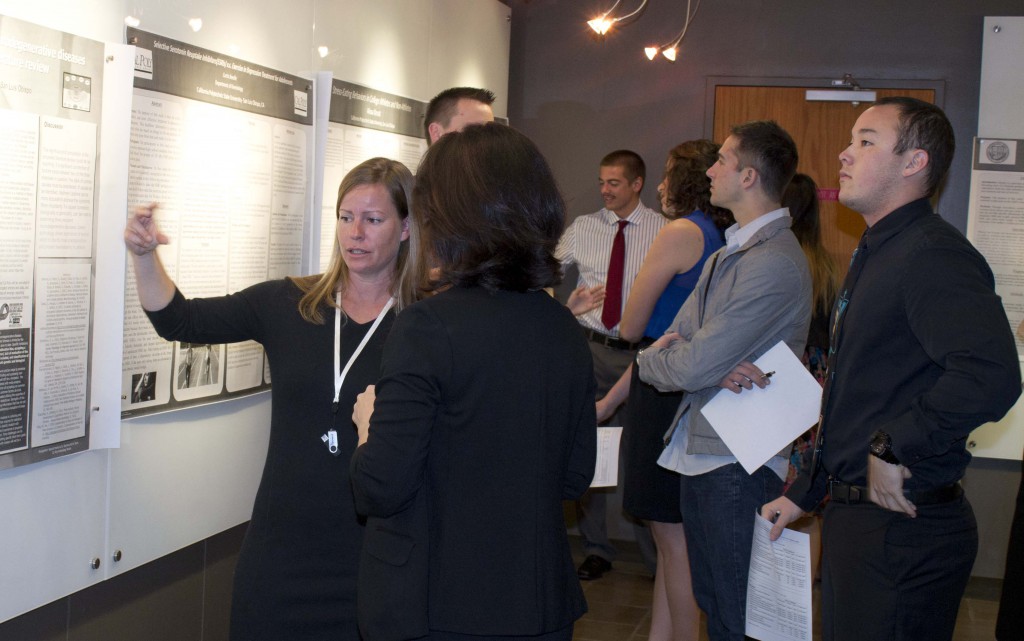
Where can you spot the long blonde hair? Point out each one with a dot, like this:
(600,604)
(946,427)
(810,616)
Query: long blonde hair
(801,196)
(319,289)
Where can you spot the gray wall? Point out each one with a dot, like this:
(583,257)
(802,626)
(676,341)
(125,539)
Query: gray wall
(579,97)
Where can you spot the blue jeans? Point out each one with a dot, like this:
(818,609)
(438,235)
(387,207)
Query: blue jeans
(718,516)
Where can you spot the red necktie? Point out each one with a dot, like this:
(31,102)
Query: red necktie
(612,311)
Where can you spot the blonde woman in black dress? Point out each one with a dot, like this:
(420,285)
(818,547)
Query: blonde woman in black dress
(323,336)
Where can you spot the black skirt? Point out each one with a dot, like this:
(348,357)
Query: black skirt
(649,491)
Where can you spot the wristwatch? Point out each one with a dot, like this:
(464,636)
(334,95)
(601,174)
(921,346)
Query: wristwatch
(881,446)
(636,358)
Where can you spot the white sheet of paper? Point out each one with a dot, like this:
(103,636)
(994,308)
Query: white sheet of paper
(606,473)
(756,423)
(779,585)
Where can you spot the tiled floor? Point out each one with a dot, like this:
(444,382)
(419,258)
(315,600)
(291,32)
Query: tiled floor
(620,605)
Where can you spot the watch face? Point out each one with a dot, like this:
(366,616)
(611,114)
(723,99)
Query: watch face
(881,446)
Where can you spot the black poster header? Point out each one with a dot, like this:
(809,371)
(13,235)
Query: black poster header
(181,69)
(352,104)
(998,154)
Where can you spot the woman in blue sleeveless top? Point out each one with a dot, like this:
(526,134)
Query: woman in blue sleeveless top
(669,274)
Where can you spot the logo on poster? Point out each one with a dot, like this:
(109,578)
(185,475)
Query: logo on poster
(143,63)
(997,151)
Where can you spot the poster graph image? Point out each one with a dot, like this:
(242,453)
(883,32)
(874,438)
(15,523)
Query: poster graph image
(221,145)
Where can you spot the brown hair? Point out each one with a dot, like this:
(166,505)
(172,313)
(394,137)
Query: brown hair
(320,289)
(687,188)
(801,197)
(441,107)
(632,164)
(770,150)
(922,125)
(488,210)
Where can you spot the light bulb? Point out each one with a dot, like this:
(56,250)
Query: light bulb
(132,21)
(670,53)
(600,25)
(196,24)
(650,52)
(323,51)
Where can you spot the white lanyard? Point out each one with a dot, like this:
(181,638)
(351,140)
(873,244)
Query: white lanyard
(340,374)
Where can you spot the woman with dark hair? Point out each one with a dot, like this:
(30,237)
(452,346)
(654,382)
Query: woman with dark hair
(296,572)
(667,277)
(484,415)
(801,197)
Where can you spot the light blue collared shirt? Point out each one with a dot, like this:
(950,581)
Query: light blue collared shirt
(736,236)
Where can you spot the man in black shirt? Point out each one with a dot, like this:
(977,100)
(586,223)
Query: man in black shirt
(921,354)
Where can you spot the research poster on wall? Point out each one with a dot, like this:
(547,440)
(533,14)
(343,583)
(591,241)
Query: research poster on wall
(50,101)
(996,220)
(222,146)
(363,124)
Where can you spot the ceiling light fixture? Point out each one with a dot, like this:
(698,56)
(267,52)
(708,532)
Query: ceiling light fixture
(603,23)
(196,24)
(132,21)
(323,51)
(670,50)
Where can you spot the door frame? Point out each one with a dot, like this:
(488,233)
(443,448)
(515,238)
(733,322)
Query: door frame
(867,84)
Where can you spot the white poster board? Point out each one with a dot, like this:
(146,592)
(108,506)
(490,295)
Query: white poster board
(222,145)
(996,203)
(51,98)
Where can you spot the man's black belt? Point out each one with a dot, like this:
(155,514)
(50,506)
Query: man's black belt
(609,341)
(848,494)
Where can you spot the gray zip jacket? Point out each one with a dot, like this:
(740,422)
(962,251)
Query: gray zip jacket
(758,295)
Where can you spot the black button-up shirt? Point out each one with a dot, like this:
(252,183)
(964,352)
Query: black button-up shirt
(925,354)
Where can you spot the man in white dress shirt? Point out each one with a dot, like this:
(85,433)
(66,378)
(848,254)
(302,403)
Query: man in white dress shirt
(589,244)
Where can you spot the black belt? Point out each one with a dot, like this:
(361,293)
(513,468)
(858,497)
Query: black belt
(852,494)
(609,341)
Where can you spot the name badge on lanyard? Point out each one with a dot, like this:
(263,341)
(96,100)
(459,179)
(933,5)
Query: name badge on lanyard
(331,437)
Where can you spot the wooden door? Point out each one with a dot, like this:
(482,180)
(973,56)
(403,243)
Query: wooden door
(821,130)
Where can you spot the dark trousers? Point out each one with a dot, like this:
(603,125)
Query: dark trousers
(1010,623)
(564,634)
(592,508)
(889,577)
(718,516)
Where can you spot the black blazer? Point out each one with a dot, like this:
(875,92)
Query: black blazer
(484,422)
(391,591)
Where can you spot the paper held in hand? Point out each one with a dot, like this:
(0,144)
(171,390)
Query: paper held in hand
(779,585)
(606,472)
(757,423)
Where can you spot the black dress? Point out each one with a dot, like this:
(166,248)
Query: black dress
(296,573)
(649,491)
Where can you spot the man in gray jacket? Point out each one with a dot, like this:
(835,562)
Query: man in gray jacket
(753,293)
